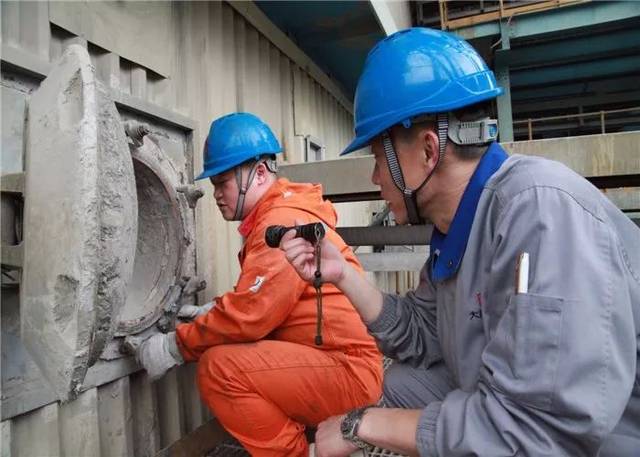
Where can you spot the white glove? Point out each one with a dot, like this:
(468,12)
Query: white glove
(158,354)
(189,312)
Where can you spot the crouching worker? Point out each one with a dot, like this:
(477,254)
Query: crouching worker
(259,369)
(495,355)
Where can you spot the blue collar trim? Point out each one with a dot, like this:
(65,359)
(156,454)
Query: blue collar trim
(448,249)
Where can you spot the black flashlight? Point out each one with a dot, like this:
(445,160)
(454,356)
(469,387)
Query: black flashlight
(313,233)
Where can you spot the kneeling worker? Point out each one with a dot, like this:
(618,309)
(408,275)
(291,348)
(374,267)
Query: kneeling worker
(259,369)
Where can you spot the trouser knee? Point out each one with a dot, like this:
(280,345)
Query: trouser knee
(394,385)
(409,387)
(212,375)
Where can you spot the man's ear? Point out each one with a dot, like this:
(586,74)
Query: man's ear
(430,145)
(261,173)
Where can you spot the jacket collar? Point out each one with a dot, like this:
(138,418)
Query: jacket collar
(248,223)
(448,249)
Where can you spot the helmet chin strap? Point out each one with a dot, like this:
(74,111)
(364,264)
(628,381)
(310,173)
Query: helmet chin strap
(411,195)
(243,188)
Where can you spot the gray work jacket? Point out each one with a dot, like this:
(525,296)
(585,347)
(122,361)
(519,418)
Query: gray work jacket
(552,372)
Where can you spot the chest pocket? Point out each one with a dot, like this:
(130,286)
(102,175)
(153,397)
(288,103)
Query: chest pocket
(524,353)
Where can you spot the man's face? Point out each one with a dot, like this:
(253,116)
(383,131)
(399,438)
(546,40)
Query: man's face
(414,170)
(225,191)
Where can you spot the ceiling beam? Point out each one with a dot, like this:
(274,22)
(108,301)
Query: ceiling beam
(572,49)
(576,71)
(556,20)
(619,83)
(573,101)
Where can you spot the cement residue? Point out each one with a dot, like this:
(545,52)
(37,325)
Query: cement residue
(117,213)
(80,188)
(71,103)
(66,290)
(60,194)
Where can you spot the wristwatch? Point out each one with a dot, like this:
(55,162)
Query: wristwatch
(349,427)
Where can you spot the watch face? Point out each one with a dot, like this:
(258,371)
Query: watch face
(345,427)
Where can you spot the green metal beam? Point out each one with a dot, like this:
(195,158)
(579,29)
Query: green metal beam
(589,100)
(572,49)
(600,86)
(503,102)
(557,20)
(486,29)
(591,70)
(505,116)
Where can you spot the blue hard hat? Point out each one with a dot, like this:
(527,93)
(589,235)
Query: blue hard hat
(417,71)
(234,139)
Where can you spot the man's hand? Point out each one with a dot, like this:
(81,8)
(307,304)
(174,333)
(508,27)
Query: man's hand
(190,312)
(301,255)
(329,441)
(364,296)
(158,354)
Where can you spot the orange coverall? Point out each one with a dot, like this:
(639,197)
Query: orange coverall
(259,370)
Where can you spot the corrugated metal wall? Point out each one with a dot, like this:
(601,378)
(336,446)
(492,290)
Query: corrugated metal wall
(248,72)
(318,114)
(214,62)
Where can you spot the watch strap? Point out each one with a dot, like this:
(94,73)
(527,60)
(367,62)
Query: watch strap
(350,425)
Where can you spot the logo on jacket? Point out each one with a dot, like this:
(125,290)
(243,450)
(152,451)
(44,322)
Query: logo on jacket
(477,314)
(257,285)
(287,194)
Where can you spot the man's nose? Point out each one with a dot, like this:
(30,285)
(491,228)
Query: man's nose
(375,176)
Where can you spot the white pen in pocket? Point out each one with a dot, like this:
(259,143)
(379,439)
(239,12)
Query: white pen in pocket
(522,273)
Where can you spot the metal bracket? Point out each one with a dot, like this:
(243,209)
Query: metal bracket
(172,307)
(192,193)
(193,286)
(505,33)
(136,132)
(185,287)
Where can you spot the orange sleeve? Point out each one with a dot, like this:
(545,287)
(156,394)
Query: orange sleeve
(266,292)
